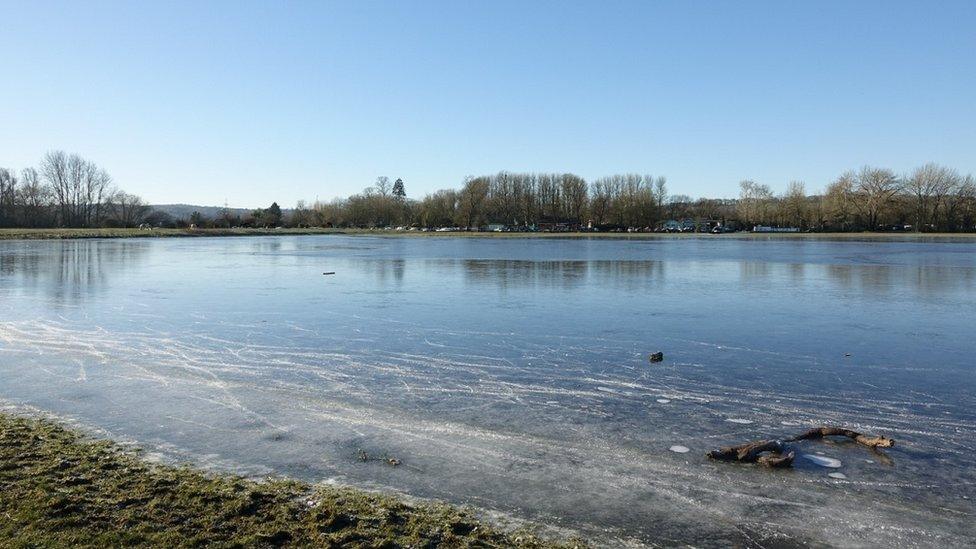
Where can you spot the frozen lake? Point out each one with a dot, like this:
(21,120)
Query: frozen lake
(512,374)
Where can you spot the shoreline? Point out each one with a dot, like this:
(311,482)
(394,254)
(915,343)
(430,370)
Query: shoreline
(64,487)
(79,234)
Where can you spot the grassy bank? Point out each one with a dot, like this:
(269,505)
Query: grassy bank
(59,488)
(49,234)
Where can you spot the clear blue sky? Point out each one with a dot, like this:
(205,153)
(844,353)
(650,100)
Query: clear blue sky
(251,102)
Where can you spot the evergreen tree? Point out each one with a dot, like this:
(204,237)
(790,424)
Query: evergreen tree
(272,216)
(398,191)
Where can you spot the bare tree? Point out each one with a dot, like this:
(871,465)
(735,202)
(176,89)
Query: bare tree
(439,209)
(960,205)
(601,200)
(525,188)
(301,216)
(794,205)
(382,185)
(470,212)
(755,201)
(33,198)
(928,186)
(8,193)
(575,197)
(97,186)
(54,168)
(838,202)
(874,189)
(79,186)
(660,196)
(127,210)
(503,199)
(331,214)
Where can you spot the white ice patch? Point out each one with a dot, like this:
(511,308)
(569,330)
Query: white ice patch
(663,401)
(677,448)
(823,461)
(738,420)
(839,476)
(789,423)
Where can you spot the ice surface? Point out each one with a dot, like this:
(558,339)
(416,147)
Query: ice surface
(679,449)
(512,375)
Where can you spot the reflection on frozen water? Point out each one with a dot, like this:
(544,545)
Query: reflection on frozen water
(513,374)
(566,274)
(927,280)
(72,271)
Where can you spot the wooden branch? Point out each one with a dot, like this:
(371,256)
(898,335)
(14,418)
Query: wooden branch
(869,441)
(769,453)
(774,453)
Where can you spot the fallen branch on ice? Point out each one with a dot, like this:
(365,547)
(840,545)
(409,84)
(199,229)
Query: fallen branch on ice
(774,453)
(869,441)
(770,453)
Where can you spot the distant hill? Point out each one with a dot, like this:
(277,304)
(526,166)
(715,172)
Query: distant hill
(183,211)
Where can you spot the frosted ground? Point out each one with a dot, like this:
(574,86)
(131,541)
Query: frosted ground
(512,374)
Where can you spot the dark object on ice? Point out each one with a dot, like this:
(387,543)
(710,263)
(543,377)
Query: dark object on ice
(329,273)
(657,357)
(866,440)
(390,460)
(774,453)
(769,453)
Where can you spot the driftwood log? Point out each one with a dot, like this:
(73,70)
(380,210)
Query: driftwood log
(775,453)
(770,453)
(869,441)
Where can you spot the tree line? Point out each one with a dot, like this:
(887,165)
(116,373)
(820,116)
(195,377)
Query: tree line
(66,190)
(929,198)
